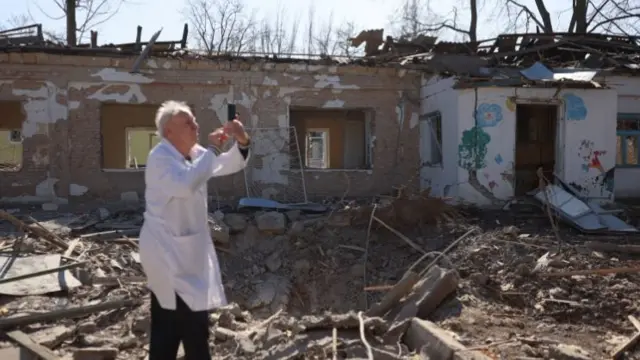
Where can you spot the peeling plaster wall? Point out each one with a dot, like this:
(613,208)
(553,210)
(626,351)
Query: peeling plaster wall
(484,175)
(62,100)
(628,89)
(437,94)
(587,130)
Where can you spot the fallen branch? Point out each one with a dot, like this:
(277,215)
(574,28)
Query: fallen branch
(66,313)
(608,247)
(399,234)
(624,270)
(441,254)
(42,272)
(363,337)
(37,231)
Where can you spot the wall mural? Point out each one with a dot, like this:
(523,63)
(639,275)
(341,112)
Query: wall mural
(591,160)
(488,115)
(510,103)
(575,108)
(472,152)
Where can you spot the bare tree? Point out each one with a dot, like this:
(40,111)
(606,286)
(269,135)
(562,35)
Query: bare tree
(418,18)
(310,36)
(221,26)
(278,35)
(81,16)
(330,39)
(324,39)
(587,16)
(15,22)
(344,34)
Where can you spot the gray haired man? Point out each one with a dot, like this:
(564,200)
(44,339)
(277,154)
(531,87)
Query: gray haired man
(176,249)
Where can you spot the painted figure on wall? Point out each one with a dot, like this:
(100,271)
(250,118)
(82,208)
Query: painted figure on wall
(472,152)
(591,160)
(575,108)
(488,115)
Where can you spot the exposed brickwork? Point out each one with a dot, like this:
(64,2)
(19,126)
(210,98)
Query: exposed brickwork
(62,95)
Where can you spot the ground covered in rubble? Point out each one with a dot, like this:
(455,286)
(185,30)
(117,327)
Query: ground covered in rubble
(512,289)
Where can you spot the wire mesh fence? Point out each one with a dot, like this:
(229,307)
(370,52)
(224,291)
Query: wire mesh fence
(275,170)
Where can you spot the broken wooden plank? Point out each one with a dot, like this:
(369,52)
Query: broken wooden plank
(607,271)
(634,321)
(66,313)
(42,272)
(28,344)
(630,344)
(35,230)
(110,235)
(402,288)
(423,335)
(609,247)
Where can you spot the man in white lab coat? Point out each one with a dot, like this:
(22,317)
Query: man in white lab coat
(176,249)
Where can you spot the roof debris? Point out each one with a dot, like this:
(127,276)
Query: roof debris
(559,50)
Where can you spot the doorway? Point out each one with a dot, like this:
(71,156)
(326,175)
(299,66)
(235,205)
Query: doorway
(535,145)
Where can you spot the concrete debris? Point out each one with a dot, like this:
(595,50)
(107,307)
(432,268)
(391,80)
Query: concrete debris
(272,222)
(394,283)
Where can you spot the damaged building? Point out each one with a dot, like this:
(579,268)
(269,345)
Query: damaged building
(470,121)
(77,123)
(491,118)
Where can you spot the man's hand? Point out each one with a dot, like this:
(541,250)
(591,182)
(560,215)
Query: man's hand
(236,129)
(218,137)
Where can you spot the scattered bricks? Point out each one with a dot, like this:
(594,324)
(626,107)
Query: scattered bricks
(272,222)
(426,337)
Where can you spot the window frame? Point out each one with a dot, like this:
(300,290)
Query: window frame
(325,148)
(627,133)
(127,134)
(435,135)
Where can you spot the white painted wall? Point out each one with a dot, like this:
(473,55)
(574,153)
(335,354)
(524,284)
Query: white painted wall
(579,139)
(437,94)
(628,89)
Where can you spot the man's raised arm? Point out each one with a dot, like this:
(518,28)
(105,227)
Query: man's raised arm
(176,179)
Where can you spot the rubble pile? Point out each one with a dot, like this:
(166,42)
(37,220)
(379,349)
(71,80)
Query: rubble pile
(322,286)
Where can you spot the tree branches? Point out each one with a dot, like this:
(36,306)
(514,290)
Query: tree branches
(85,15)
(228,27)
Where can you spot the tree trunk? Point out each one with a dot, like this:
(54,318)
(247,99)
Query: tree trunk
(71,22)
(475,183)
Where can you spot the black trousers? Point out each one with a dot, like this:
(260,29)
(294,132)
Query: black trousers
(170,327)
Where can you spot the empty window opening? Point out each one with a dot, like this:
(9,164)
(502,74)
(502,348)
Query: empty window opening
(127,133)
(628,136)
(139,142)
(431,138)
(332,139)
(11,148)
(535,145)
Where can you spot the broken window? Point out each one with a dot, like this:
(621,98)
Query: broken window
(628,138)
(11,148)
(128,133)
(331,139)
(317,146)
(435,136)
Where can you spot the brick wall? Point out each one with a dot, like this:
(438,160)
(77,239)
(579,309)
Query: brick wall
(61,98)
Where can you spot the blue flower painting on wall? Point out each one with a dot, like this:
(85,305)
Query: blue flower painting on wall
(575,108)
(488,115)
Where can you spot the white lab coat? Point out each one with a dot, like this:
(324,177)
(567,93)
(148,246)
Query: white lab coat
(176,250)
